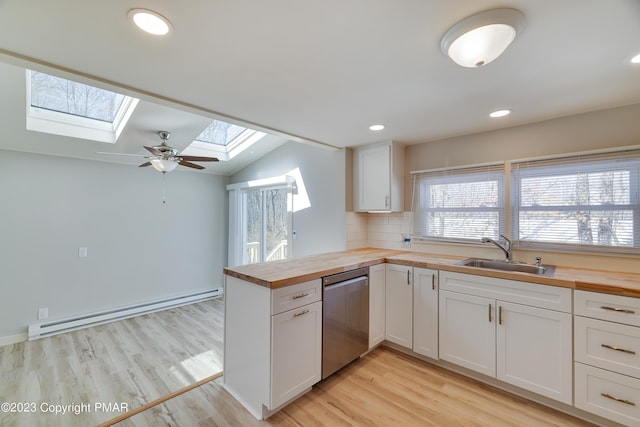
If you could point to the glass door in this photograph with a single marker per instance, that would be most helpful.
(267, 224)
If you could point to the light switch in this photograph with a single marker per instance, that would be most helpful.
(82, 252)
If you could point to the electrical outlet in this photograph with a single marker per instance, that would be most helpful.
(43, 313)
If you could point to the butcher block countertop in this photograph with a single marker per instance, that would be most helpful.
(277, 274)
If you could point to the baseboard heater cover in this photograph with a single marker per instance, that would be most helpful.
(47, 329)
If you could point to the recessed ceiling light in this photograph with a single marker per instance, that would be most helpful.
(636, 59)
(150, 21)
(500, 113)
(376, 128)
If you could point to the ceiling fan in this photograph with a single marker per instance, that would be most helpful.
(165, 158)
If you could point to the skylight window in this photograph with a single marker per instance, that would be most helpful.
(223, 140)
(220, 133)
(64, 107)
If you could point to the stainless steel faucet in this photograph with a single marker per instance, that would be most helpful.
(506, 246)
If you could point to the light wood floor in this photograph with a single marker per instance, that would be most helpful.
(138, 360)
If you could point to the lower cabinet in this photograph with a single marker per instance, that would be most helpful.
(296, 342)
(273, 343)
(425, 312)
(399, 305)
(492, 326)
(377, 310)
(607, 355)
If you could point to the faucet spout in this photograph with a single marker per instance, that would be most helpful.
(505, 247)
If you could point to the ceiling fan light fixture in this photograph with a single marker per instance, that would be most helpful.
(481, 38)
(150, 21)
(163, 165)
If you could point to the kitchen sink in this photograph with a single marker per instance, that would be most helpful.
(520, 267)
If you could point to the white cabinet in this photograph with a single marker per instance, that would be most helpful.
(467, 331)
(377, 297)
(425, 312)
(506, 329)
(379, 177)
(296, 342)
(273, 343)
(399, 305)
(607, 355)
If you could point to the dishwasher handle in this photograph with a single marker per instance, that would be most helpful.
(347, 282)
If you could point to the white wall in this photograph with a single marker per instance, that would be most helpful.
(321, 227)
(139, 249)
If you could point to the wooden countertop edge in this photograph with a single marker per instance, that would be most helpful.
(447, 263)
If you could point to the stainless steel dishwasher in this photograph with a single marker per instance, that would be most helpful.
(345, 318)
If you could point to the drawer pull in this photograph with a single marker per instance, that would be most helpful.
(617, 399)
(611, 347)
(302, 313)
(619, 310)
(306, 294)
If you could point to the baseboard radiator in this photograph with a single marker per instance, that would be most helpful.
(47, 329)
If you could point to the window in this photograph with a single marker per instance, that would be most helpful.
(582, 202)
(461, 204)
(64, 107)
(223, 140)
(260, 219)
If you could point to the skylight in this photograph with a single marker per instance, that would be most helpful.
(220, 133)
(64, 107)
(223, 140)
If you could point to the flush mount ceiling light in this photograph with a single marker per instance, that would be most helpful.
(150, 21)
(376, 128)
(479, 39)
(635, 59)
(499, 113)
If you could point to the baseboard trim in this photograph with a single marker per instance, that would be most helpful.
(13, 339)
(54, 327)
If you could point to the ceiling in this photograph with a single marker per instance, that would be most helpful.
(324, 71)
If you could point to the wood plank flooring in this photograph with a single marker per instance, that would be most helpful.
(138, 360)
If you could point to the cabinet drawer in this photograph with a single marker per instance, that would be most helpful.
(294, 296)
(610, 395)
(608, 345)
(615, 308)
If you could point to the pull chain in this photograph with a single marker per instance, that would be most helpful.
(164, 188)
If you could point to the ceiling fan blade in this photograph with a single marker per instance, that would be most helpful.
(199, 159)
(121, 154)
(145, 164)
(190, 165)
(154, 151)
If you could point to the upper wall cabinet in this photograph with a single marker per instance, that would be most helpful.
(379, 177)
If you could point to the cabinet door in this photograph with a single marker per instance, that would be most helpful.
(467, 331)
(374, 178)
(399, 305)
(534, 350)
(296, 352)
(377, 282)
(425, 312)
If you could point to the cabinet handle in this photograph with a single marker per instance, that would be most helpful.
(302, 313)
(616, 309)
(433, 282)
(617, 399)
(386, 201)
(306, 294)
(490, 310)
(612, 347)
(500, 315)
(408, 279)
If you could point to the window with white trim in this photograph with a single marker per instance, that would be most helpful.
(459, 204)
(588, 202)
